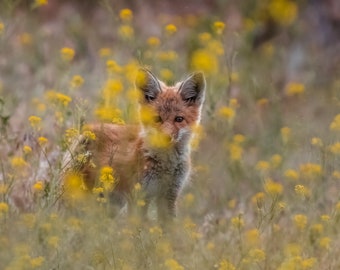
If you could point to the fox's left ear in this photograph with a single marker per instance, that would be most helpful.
(192, 90)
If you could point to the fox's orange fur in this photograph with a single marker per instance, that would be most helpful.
(161, 171)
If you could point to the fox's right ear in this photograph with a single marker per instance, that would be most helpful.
(148, 84)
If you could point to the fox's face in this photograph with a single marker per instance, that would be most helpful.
(168, 113)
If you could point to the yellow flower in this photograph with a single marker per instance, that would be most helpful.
(3, 189)
(153, 42)
(57, 98)
(167, 56)
(106, 178)
(235, 152)
(26, 39)
(283, 12)
(53, 241)
(42, 141)
(67, 54)
(74, 188)
(204, 37)
(227, 113)
(293, 249)
(105, 52)
(89, 135)
(3, 207)
(38, 186)
(317, 229)
(113, 67)
(172, 264)
(27, 149)
(273, 188)
(258, 199)
(335, 125)
(294, 89)
(238, 222)
(39, 3)
(335, 148)
(262, 166)
(252, 237)
(291, 174)
(300, 221)
(37, 261)
(226, 265)
(325, 242)
(336, 174)
(218, 27)
(310, 170)
(239, 138)
(18, 162)
(170, 29)
(276, 161)
(316, 141)
(286, 133)
(166, 74)
(262, 102)
(158, 139)
(325, 218)
(125, 31)
(140, 203)
(126, 15)
(302, 190)
(204, 60)
(35, 122)
(257, 255)
(2, 28)
(76, 81)
(308, 263)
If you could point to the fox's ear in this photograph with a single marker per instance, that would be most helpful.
(148, 84)
(193, 88)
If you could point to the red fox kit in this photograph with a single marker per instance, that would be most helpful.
(155, 154)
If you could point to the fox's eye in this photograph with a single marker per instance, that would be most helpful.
(149, 98)
(179, 119)
(157, 119)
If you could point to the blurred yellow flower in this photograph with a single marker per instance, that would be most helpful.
(316, 141)
(53, 241)
(89, 135)
(300, 221)
(227, 113)
(3, 188)
(27, 149)
(3, 207)
(57, 98)
(42, 141)
(286, 133)
(37, 261)
(39, 3)
(258, 199)
(67, 54)
(204, 37)
(158, 139)
(273, 188)
(310, 170)
(167, 56)
(38, 186)
(166, 74)
(291, 174)
(219, 27)
(325, 242)
(252, 237)
(153, 41)
(172, 264)
(335, 148)
(35, 122)
(126, 15)
(283, 12)
(105, 52)
(205, 61)
(170, 29)
(294, 89)
(262, 166)
(18, 162)
(302, 190)
(106, 178)
(77, 81)
(140, 203)
(125, 32)
(107, 114)
(235, 152)
(26, 39)
(237, 222)
(276, 161)
(113, 67)
(2, 28)
(226, 265)
(336, 174)
(335, 125)
(257, 255)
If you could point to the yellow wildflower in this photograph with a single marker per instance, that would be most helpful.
(140, 203)
(172, 264)
(262, 166)
(252, 237)
(158, 139)
(302, 190)
(2, 27)
(325, 242)
(37, 261)
(3, 189)
(308, 263)
(276, 161)
(166, 74)
(125, 31)
(170, 29)
(226, 265)
(227, 113)
(153, 42)
(237, 222)
(335, 125)
(336, 174)
(316, 141)
(126, 15)
(239, 138)
(291, 174)
(293, 249)
(42, 141)
(3, 207)
(167, 56)
(335, 148)
(26, 39)
(310, 170)
(53, 241)
(325, 218)
(113, 67)
(38, 186)
(204, 37)
(89, 135)
(57, 98)
(18, 162)
(67, 54)
(317, 229)
(218, 27)
(27, 149)
(105, 52)
(204, 60)
(294, 89)
(286, 134)
(273, 188)
(283, 12)
(74, 188)
(300, 221)
(235, 152)
(257, 255)
(77, 81)
(35, 122)
(106, 178)
(258, 199)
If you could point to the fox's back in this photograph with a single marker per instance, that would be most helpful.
(116, 146)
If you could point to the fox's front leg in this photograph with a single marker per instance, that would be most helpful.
(166, 206)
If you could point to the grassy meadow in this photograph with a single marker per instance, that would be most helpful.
(265, 187)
